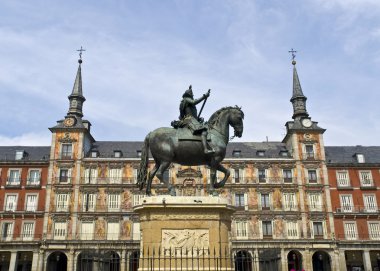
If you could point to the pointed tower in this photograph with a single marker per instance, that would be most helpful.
(76, 98)
(298, 99)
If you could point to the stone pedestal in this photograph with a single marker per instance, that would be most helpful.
(187, 232)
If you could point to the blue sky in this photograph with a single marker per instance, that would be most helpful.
(142, 55)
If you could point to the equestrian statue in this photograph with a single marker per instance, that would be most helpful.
(191, 142)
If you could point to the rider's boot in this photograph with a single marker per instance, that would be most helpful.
(205, 145)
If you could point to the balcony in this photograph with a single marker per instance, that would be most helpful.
(316, 207)
(309, 156)
(21, 237)
(63, 180)
(13, 182)
(375, 236)
(367, 184)
(65, 156)
(357, 210)
(111, 181)
(21, 209)
(33, 183)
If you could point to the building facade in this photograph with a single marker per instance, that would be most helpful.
(299, 204)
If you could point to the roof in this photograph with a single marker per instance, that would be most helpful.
(347, 154)
(130, 149)
(32, 153)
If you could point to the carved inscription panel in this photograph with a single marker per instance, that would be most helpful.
(178, 242)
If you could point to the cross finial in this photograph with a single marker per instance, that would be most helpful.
(80, 52)
(293, 55)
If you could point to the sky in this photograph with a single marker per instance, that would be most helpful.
(142, 55)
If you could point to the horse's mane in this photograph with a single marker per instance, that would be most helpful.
(215, 117)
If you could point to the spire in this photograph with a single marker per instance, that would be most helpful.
(298, 99)
(76, 98)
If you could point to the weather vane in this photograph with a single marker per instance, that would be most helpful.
(293, 53)
(80, 52)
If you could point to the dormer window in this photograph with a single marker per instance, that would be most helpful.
(117, 154)
(360, 158)
(19, 155)
(138, 153)
(260, 153)
(284, 153)
(94, 154)
(236, 153)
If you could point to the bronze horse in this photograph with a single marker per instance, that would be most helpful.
(167, 148)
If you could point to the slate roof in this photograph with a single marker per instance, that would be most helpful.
(129, 149)
(32, 153)
(347, 154)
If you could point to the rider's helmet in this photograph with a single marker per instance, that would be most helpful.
(188, 93)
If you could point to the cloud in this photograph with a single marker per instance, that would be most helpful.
(29, 139)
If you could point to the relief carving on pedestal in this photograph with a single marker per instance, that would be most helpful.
(178, 242)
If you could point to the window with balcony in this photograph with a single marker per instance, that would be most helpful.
(312, 175)
(89, 201)
(34, 177)
(113, 202)
(350, 231)
(90, 175)
(62, 202)
(137, 199)
(59, 230)
(267, 229)
(318, 232)
(370, 203)
(241, 229)
(262, 175)
(31, 203)
(236, 175)
(309, 151)
(87, 230)
(113, 230)
(7, 231)
(292, 229)
(14, 177)
(288, 175)
(67, 151)
(289, 201)
(115, 175)
(10, 203)
(28, 231)
(365, 178)
(374, 230)
(265, 201)
(342, 178)
(346, 203)
(315, 202)
(64, 175)
(239, 200)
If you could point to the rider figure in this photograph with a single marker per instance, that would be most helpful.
(189, 119)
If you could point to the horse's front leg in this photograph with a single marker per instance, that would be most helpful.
(151, 175)
(226, 176)
(212, 181)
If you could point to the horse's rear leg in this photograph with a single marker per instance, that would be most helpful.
(226, 176)
(212, 181)
(150, 179)
(160, 175)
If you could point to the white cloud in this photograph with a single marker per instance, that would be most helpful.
(28, 139)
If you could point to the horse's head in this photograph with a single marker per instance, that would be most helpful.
(236, 117)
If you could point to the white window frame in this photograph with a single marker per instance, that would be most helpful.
(374, 231)
(60, 230)
(346, 203)
(316, 175)
(115, 175)
(262, 229)
(306, 154)
(135, 174)
(292, 229)
(360, 158)
(27, 233)
(315, 202)
(323, 223)
(286, 178)
(289, 201)
(29, 207)
(34, 181)
(241, 229)
(259, 202)
(137, 198)
(71, 153)
(366, 179)
(113, 230)
(87, 233)
(68, 180)
(370, 206)
(340, 181)
(265, 176)
(90, 199)
(62, 204)
(113, 202)
(8, 207)
(19, 154)
(10, 231)
(350, 233)
(90, 175)
(136, 233)
(15, 181)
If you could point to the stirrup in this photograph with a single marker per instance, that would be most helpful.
(209, 151)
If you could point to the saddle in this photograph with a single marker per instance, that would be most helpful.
(185, 134)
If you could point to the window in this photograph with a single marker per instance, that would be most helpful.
(137, 199)
(318, 230)
(87, 230)
(260, 153)
(28, 231)
(267, 228)
(113, 202)
(90, 175)
(374, 230)
(138, 152)
(136, 235)
(62, 202)
(262, 175)
(315, 202)
(7, 231)
(66, 151)
(236, 175)
(34, 177)
(284, 153)
(64, 175)
(135, 174)
(309, 151)
(94, 154)
(14, 177)
(10, 203)
(350, 231)
(346, 203)
(31, 203)
(236, 153)
(312, 175)
(60, 230)
(89, 201)
(241, 229)
(117, 154)
(292, 229)
(115, 175)
(239, 200)
(365, 178)
(288, 176)
(19, 155)
(289, 201)
(342, 178)
(113, 230)
(265, 201)
(370, 203)
(360, 158)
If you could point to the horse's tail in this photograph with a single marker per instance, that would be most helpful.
(142, 174)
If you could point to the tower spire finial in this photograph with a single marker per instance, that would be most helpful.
(81, 50)
(293, 55)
